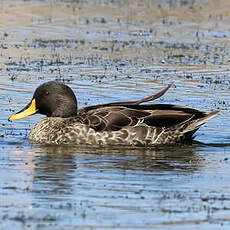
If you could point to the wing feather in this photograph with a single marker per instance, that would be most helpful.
(117, 117)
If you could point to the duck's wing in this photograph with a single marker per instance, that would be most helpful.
(158, 115)
(126, 103)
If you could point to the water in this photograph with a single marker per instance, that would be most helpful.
(110, 51)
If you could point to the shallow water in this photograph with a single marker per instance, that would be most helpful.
(110, 51)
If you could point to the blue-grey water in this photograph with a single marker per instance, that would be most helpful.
(109, 51)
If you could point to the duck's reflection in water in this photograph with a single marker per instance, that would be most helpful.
(54, 171)
(57, 167)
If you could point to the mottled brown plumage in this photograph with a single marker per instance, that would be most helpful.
(124, 123)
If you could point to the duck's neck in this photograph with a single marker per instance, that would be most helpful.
(65, 110)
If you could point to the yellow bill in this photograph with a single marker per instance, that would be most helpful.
(27, 111)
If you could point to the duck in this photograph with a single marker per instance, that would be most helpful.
(132, 123)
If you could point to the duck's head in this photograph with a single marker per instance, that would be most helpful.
(53, 99)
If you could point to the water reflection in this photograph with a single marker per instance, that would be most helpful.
(54, 170)
(57, 167)
(57, 158)
(165, 158)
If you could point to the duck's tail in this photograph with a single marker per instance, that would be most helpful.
(190, 126)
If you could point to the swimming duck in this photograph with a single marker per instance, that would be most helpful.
(119, 123)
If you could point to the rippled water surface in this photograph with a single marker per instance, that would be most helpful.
(110, 51)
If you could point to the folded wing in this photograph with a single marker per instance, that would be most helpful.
(159, 115)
